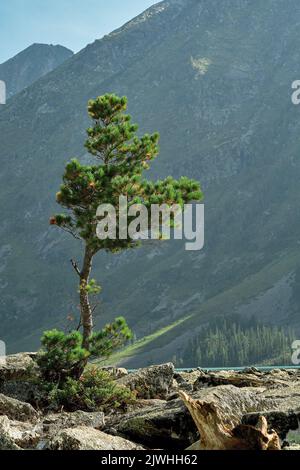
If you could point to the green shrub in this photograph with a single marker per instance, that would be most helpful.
(66, 382)
(63, 356)
(95, 390)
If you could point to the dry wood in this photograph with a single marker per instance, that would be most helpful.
(215, 435)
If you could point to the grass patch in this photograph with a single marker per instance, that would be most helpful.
(138, 346)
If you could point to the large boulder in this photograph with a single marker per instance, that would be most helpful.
(18, 367)
(84, 438)
(150, 382)
(285, 397)
(18, 410)
(164, 425)
(249, 377)
(230, 377)
(16, 435)
(58, 421)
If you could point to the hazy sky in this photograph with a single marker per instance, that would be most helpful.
(71, 23)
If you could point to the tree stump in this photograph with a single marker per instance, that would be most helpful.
(215, 435)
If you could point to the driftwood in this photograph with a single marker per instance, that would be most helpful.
(215, 435)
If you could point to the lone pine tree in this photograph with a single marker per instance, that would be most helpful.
(121, 158)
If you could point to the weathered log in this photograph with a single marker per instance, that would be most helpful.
(216, 435)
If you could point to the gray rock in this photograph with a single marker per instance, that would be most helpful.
(6, 442)
(15, 409)
(182, 382)
(15, 435)
(57, 421)
(20, 390)
(235, 402)
(18, 367)
(150, 382)
(285, 396)
(213, 379)
(84, 438)
(165, 425)
(141, 404)
(249, 377)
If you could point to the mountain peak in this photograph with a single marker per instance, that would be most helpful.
(44, 46)
(32, 63)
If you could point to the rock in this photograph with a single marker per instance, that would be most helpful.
(84, 438)
(15, 435)
(116, 372)
(165, 425)
(213, 379)
(25, 435)
(57, 421)
(15, 409)
(187, 376)
(251, 370)
(183, 381)
(282, 422)
(150, 382)
(285, 398)
(158, 419)
(6, 442)
(141, 404)
(235, 402)
(249, 377)
(168, 424)
(20, 390)
(18, 367)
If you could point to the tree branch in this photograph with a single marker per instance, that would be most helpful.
(70, 231)
(79, 325)
(75, 266)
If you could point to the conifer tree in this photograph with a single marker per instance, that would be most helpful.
(121, 157)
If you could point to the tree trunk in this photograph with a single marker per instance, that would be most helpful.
(85, 307)
(216, 435)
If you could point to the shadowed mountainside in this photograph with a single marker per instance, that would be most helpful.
(214, 78)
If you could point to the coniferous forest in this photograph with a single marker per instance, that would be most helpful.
(229, 342)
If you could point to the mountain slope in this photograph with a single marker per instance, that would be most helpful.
(30, 65)
(215, 80)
